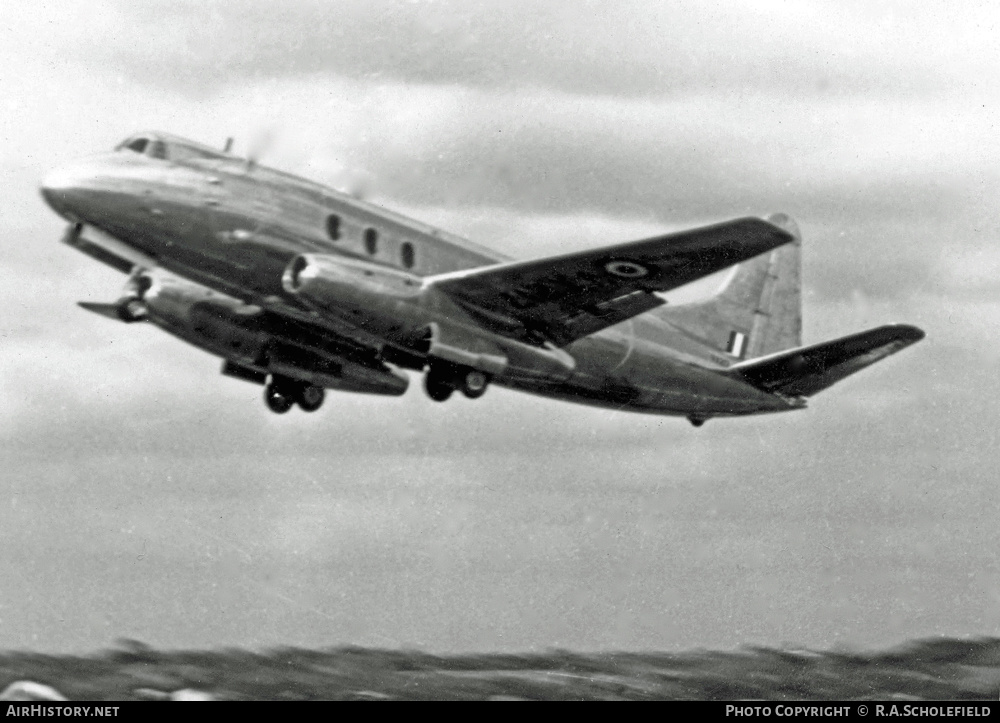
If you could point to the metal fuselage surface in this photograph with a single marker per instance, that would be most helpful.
(235, 227)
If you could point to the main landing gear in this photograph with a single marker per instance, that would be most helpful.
(437, 388)
(442, 380)
(282, 393)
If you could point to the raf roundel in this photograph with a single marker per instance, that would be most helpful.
(626, 269)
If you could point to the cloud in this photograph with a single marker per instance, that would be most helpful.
(345, 527)
(635, 48)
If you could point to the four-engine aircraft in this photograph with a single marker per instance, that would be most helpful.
(301, 288)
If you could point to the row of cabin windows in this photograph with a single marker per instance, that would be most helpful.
(407, 255)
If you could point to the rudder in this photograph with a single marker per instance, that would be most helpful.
(758, 311)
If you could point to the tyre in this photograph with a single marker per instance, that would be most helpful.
(436, 388)
(130, 310)
(278, 399)
(310, 397)
(474, 383)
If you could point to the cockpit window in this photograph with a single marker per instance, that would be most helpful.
(145, 146)
(171, 149)
(138, 145)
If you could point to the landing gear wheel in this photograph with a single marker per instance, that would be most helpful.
(696, 421)
(436, 388)
(310, 397)
(130, 310)
(474, 383)
(278, 397)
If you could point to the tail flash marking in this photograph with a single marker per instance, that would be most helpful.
(737, 344)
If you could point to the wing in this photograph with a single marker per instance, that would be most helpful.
(811, 369)
(563, 298)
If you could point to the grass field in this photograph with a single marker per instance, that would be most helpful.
(940, 669)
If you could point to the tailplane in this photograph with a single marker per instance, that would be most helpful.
(807, 370)
(756, 319)
(758, 311)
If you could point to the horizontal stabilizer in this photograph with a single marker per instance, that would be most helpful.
(808, 370)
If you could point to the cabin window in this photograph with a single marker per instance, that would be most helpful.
(371, 241)
(406, 254)
(158, 149)
(333, 226)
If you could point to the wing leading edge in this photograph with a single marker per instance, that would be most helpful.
(564, 298)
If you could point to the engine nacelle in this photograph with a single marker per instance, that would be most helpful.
(384, 301)
(256, 340)
(497, 356)
(212, 321)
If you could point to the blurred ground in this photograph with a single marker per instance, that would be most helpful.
(940, 669)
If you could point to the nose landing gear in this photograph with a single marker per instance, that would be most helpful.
(132, 305)
(131, 309)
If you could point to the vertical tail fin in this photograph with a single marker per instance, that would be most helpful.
(758, 311)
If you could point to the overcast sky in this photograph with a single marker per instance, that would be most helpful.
(145, 496)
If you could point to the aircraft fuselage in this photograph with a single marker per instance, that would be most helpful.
(236, 228)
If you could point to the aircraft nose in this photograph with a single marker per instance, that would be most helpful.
(62, 188)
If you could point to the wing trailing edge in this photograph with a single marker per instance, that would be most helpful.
(808, 370)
